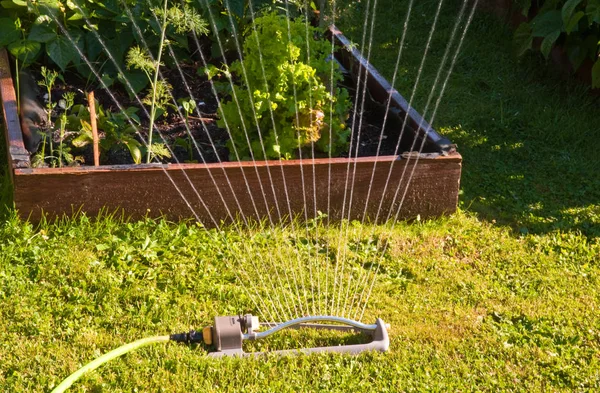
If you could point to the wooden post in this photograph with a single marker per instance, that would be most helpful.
(92, 105)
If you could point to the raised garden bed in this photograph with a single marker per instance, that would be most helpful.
(217, 192)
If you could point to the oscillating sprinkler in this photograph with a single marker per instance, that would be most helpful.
(227, 335)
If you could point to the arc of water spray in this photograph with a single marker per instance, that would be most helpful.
(295, 94)
(252, 157)
(347, 202)
(244, 175)
(200, 152)
(362, 108)
(438, 101)
(389, 101)
(251, 8)
(421, 67)
(337, 285)
(359, 280)
(430, 97)
(333, 12)
(312, 147)
(129, 120)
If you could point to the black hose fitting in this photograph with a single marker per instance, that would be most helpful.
(191, 337)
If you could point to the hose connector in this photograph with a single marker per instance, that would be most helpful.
(191, 337)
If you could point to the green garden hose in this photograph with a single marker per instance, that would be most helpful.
(106, 358)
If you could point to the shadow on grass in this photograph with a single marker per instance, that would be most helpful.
(529, 141)
(528, 135)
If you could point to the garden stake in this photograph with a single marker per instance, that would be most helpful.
(92, 104)
(228, 333)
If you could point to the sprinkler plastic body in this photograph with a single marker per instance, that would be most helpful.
(228, 334)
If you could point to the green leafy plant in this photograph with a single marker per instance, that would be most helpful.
(572, 23)
(231, 17)
(117, 131)
(55, 33)
(47, 82)
(291, 101)
(188, 106)
(66, 103)
(62, 154)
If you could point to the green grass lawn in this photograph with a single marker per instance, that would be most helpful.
(503, 295)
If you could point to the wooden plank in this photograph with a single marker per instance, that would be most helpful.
(18, 156)
(216, 193)
(381, 90)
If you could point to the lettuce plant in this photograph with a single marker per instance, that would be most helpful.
(283, 92)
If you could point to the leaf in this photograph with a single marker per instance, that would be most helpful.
(596, 75)
(41, 32)
(107, 80)
(92, 46)
(211, 71)
(134, 149)
(8, 4)
(158, 112)
(593, 11)
(159, 151)
(568, 9)
(61, 51)
(43, 19)
(50, 9)
(236, 7)
(8, 32)
(133, 81)
(82, 140)
(86, 126)
(548, 42)
(522, 39)
(547, 23)
(573, 23)
(131, 112)
(25, 50)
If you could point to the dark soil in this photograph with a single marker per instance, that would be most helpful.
(209, 141)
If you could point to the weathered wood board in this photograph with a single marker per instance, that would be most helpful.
(215, 192)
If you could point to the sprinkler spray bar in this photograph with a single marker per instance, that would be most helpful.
(228, 334)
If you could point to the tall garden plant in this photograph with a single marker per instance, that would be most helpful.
(182, 20)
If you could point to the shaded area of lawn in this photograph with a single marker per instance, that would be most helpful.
(528, 136)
